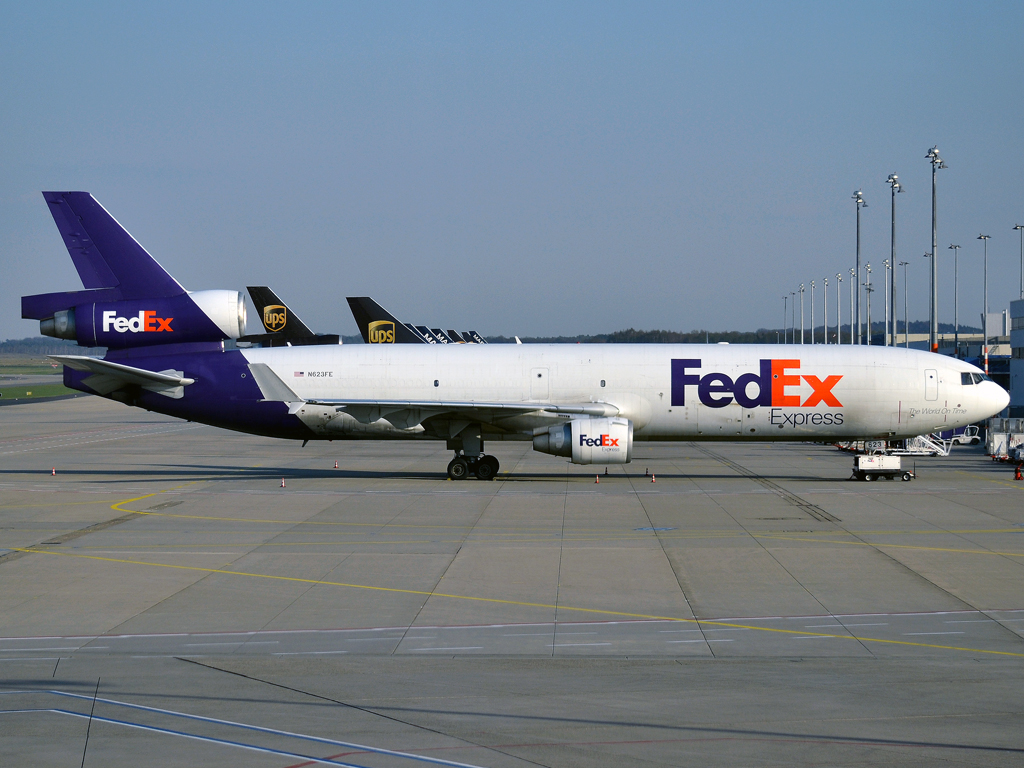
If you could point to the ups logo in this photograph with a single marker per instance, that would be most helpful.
(382, 332)
(275, 317)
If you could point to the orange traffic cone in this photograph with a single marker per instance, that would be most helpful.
(54, 471)
(282, 482)
(654, 479)
(1016, 473)
(335, 465)
(597, 478)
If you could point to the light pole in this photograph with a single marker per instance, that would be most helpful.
(812, 311)
(1020, 228)
(839, 308)
(984, 317)
(801, 313)
(906, 305)
(933, 330)
(896, 187)
(956, 298)
(868, 290)
(793, 324)
(853, 287)
(859, 200)
(885, 295)
(824, 307)
(785, 319)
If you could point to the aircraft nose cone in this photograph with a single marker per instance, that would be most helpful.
(995, 397)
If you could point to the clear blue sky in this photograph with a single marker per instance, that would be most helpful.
(516, 168)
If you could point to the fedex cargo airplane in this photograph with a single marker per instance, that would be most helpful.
(588, 403)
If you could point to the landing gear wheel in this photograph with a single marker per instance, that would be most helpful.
(458, 468)
(486, 468)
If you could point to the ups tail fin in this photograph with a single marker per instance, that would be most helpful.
(105, 255)
(368, 312)
(277, 318)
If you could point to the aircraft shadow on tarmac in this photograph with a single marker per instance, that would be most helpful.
(156, 473)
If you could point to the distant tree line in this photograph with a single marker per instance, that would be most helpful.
(43, 345)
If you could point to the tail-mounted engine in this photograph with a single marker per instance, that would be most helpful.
(589, 441)
(188, 317)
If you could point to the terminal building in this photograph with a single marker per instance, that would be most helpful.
(1017, 359)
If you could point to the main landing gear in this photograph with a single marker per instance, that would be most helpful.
(484, 467)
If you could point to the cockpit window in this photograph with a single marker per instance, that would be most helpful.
(984, 376)
(966, 380)
(979, 377)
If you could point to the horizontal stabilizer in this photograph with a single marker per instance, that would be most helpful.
(105, 255)
(110, 376)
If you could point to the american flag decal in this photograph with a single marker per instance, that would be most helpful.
(299, 374)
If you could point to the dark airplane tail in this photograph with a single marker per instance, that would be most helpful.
(275, 315)
(129, 299)
(283, 327)
(378, 326)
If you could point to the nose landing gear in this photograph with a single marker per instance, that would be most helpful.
(483, 467)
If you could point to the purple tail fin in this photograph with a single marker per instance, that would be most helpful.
(105, 255)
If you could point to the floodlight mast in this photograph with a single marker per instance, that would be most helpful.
(812, 311)
(858, 198)
(933, 330)
(906, 308)
(885, 295)
(839, 309)
(785, 320)
(896, 187)
(853, 287)
(868, 291)
(956, 298)
(1020, 228)
(984, 317)
(824, 308)
(801, 313)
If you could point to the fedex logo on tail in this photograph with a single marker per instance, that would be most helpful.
(599, 441)
(145, 321)
(775, 384)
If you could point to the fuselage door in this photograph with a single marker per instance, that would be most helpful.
(931, 384)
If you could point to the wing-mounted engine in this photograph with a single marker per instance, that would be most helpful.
(589, 440)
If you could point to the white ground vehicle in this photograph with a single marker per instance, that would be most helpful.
(873, 467)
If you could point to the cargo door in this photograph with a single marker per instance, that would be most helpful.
(931, 384)
(539, 384)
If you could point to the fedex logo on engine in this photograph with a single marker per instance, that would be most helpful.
(775, 385)
(145, 321)
(599, 441)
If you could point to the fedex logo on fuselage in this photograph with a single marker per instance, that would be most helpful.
(599, 441)
(775, 382)
(144, 322)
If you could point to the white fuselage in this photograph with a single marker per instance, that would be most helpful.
(880, 392)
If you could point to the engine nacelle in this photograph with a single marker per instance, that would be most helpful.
(187, 317)
(589, 441)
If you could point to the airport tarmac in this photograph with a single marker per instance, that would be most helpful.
(751, 607)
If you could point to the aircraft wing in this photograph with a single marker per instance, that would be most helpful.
(408, 413)
(109, 376)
